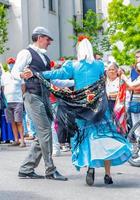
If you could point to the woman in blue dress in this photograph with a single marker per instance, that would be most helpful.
(102, 145)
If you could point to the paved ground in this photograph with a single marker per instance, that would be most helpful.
(126, 181)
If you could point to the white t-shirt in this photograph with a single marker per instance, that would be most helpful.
(12, 88)
(112, 86)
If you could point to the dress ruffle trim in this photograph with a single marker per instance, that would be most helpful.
(93, 153)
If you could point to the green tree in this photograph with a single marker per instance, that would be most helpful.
(3, 28)
(92, 26)
(124, 21)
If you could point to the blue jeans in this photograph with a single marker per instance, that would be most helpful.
(30, 129)
(56, 145)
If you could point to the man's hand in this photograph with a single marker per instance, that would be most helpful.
(130, 88)
(26, 74)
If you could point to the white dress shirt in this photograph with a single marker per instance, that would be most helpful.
(23, 60)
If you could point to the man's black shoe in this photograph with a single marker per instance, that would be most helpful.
(31, 175)
(108, 179)
(56, 176)
(90, 176)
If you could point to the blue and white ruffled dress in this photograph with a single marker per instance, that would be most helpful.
(101, 142)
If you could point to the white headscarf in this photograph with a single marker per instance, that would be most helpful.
(84, 50)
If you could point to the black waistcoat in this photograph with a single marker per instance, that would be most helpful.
(33, 84)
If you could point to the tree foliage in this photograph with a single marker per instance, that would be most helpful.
(3, 28)
(92, 26)
(125, 21)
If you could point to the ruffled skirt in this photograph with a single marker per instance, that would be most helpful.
(99, 142)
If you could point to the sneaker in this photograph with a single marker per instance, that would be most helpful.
(30, 137)
(26, 135)
(65, 148)
(14, 143)
(22, 144)
(90, 176)
(108, 180)
(56, 153)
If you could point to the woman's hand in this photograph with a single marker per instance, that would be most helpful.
(120, 72)
(123, 77)
(26, 74)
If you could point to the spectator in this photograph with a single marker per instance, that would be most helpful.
(112, 84)
(0, 100)
(98, 56)
(134, 87)
(29, 128)
(57, 121)
(63, 130)
(12, 90)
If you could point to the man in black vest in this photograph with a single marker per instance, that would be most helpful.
(37, 105)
